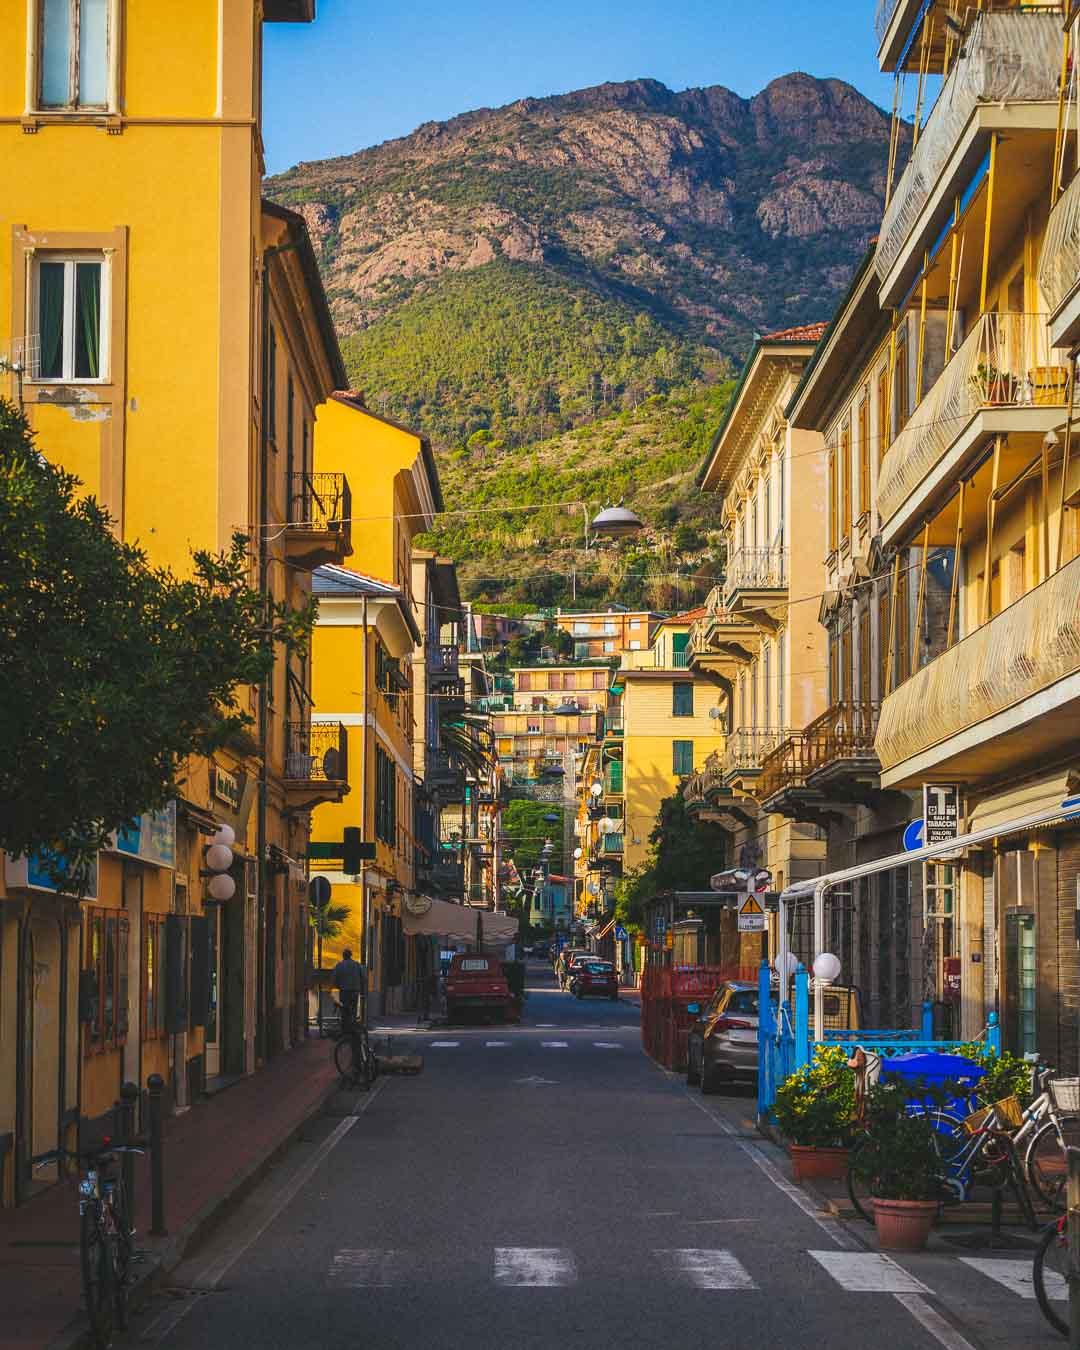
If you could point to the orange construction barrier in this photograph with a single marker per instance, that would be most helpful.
(666, 993)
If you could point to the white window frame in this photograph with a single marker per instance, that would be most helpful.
(609, 647)
(35, 67)
(70, 259)
(610, 628)
(581, 628)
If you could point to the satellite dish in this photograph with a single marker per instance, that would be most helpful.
(714, 713)
(577, 853)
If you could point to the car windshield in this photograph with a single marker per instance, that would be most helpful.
(743, 1001)
(597, 968)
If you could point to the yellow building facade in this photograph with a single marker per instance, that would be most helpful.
(167, 336)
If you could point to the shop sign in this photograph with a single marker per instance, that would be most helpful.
(31, 873)
(151, 837)
(225, 786)
(941, 812)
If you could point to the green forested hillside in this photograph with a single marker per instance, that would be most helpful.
(511, 353)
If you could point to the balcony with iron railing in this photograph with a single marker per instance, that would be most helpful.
(1059, 267)
(755, 588)
(319, 526)
(841, 745)
(316, 764)
(745, 752)
(784, 769)
(1004, 78)
(1005, 379)
(1001, 698)
(443, 659)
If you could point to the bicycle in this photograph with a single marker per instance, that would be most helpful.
(1052, 1121)
(978, 1146)
(105, 1235)
(1052, 1259)
(354, 1058)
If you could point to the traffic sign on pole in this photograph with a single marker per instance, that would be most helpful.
(751, 915)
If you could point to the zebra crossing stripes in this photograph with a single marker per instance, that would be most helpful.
(1016, 1276)
(869, 1273)
(706, 1268)
(534, 1267)
(364, 1268)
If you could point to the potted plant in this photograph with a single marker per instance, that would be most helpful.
(993, 385)
(899, 1162)
(815, 1110)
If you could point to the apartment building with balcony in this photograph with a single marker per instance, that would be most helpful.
(170, 347)
(827, 773)
(758, 636)
(600, 634)
(976, 498)
(673, 718)
(563, 687)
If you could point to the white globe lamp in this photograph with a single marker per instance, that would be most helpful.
(221, 886)
(225, 835)
(826, 967)
(788, 966)
(219, 857)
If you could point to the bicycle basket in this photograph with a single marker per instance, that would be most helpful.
(1066, 1094)
(1008, 1113)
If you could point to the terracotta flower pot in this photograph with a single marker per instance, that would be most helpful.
(904, 1225)
(810, 1163)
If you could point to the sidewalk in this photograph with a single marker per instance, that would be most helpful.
(212, 1152)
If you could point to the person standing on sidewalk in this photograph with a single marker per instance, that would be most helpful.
(350, 980)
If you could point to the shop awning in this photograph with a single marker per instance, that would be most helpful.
(443, 919)
(1017, 802)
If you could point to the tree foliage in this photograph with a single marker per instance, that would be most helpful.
(684, 853)
(113, 672)
(525, 829)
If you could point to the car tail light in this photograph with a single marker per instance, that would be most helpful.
(732, 1024)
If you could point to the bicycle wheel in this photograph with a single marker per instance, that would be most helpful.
(367, 1064)
(345, 1059)
(1048, 1273)
(1046, 1161)
(98, 1273)
(858, 1185)
(122, 1252)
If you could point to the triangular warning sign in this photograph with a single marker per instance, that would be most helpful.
(750, 906)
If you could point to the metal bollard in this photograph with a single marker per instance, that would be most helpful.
(129, 1096)
(156, 1085)
(1074, 1247)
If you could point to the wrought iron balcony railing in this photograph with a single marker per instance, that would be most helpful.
(845, 731)
(786, 766)
(755, 569)
(316, 752)
(1022, 651)
(747, 748)
(1005, 362)
(442, 658)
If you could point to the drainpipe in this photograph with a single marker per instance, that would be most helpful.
(365, 906)
(262, 1014)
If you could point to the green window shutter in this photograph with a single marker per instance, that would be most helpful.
(682, 758)
(682, 699)
(680, 642)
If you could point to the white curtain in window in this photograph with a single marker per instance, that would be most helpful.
(93, 52)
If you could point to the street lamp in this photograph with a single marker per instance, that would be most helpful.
(826, 967)
(616, 522)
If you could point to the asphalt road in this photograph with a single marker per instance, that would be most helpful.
(538, 1186)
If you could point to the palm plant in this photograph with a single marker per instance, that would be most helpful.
(331, 920)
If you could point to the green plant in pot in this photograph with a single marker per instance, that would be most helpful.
(900, 1163)
(993, 385)
(815, 1110)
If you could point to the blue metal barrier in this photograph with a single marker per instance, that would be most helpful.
(785, 1044)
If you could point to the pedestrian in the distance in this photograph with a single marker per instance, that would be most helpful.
(350, 980)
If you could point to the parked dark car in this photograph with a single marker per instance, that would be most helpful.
(594, 977)
(567, 957)
(572, 965)
(722, 1043)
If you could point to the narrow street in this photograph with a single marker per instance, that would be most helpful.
(539, 1186)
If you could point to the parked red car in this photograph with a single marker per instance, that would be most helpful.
(595, 977)
(477, 982)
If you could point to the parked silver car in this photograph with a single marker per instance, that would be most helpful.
(722, 1043)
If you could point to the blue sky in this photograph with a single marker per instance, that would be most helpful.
(366, 71)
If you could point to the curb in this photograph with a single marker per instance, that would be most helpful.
(163, 1255)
